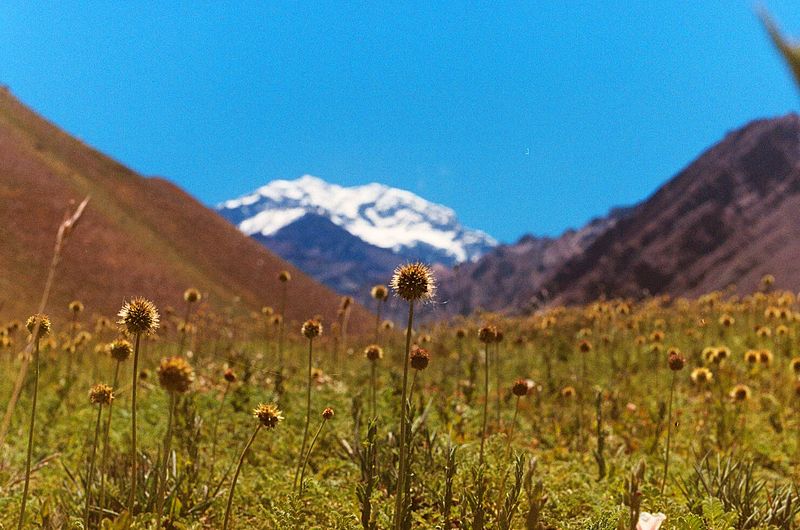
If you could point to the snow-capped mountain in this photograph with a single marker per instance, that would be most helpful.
(381, 216)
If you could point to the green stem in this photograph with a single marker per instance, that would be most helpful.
(669, 433)
(30, 431)
(104, 458)
(402, 464)
(308, 455)
(308, 414)
(373, 383)
(214, 430)
(236, 477)
(485, 400)
(167, 448)
(90, 476)
(132, 496)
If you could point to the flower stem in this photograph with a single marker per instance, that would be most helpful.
(669, 433)
(236, 477)
(308, 454)
(30, 432)
(104, 458)
(485, 400)
(167, 449)
(134, 384)
(90, 476)
(308, 414)
(402, 464)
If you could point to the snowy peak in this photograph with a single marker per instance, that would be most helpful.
(382, 216)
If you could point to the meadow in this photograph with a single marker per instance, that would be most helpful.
(566, 418)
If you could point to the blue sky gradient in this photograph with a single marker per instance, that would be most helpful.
(526, 117)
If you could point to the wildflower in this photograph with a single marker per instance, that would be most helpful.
(192, 295)
(373, 352)
(43, 321)
(268, 415)
(794, 364)
(675, 360)
(726, 321)
(520, 387)
(311, 329)
(657, 336)
(568, 392)
(101, 394)
(229, 375)
(267, 311)
(649, 521)
(763, 332)
(765, 357)
(413, 281)
(487, 334)
(75, 306)
(379, 292)
(327, 413)
(139, 316)
(175, 375)
(284, 276)
(751, 356)
(419, 358)
(119, 349)
(701, 376)
(740, 393)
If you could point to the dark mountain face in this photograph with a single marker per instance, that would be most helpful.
(331, 255)
(727, 219)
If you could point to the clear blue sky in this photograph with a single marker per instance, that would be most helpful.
(523, 117)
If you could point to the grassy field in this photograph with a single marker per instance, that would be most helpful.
(577, 420)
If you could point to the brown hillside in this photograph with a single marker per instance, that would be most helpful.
(139, 236)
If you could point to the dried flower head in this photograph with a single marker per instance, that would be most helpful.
(765, 357)
(520, 387)
(498, 336)
(675, 360)
(373, 352)
(192, 295)
(726, 321)
(311, 329)
(229, 375)
(119, 349)
(267, 311)
(43, 323)
(277, 320)
(268, 415)
(767, 280)
(487, 334)
(585, 346)
(461, 333)
(387, 325)
(139, 316)
(701, 376)
(414, 281)
(175, 375)
(75, 306)
(379, 292)
(419, 358)
(101, 394)
(657, 336)
(284, 276)
(740, 393)
(568, 392)
(794, 364)
(327, 413)
(751, 356)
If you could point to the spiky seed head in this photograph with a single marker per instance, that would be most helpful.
(144, 374)
(192, 295)
(657, 336)
(751, 356)
(101, 394)
(267, 311)
(75, 306)
(119, 349)
(726, 321)
(175, 375)
(373, 352)
(794, 364)
(284, 276)
(229, 375)
(461, 333)
(520, 387)
(414, 281)
(379, 292)
(797, 388)
(740, 393)
(311, 329)
(268, 415)
(701, 376)
(14, 325)
(767, 280)
(568, 392)
(327, 413)
(139, 316)
(763, 332)
(675, 360)
(387, 325)
(487, 334)
(419, 358)
(765, 357)
(40, 320)
(585, 346)
(723, 352)
(277, 320)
